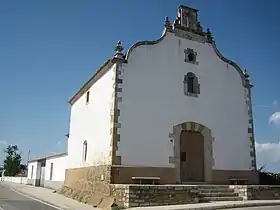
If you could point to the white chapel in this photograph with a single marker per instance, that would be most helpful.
(173, 110)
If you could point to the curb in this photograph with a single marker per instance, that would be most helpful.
(231, 206)
(213, 206)
(36, 198)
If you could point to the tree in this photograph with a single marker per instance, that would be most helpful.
(23, 167)
(12, 161)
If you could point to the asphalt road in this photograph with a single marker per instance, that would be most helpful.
(258, 208)
(10, 200)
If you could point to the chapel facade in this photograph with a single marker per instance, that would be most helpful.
(173, 110)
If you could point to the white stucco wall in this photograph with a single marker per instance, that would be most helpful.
(59, 166)
(154, 101)
(91, 122)
(29, 172)
(19, 180)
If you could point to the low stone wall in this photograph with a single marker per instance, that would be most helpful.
(154, 195)
(120, 193)
(127, 196)
(257, 192)
(103, 195)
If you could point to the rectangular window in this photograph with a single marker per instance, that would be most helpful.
(119, 81)
(87, 99)
(51, 171)
(183, 157)
(32, 171)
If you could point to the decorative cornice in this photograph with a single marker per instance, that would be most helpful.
(101, 71)
(147, 42)
(118, 51)
(230, 62)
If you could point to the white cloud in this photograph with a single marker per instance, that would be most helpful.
(3, 142)
(268, 153)
(275, 102)
(275, 118)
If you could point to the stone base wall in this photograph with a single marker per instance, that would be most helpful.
(89, 185)
(257, 192)
(124, 174)
(84, 178)
(77, 177)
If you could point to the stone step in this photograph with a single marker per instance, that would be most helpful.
(218, 194)
(196, 183)
(214, 186)
(209, 190)
(211, 199)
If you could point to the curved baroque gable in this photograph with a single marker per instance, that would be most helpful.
(147, 42)
(230, 62)
(218, 53)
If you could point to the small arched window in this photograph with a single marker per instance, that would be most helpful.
(191, 86)
(85, 151)
(190, 56)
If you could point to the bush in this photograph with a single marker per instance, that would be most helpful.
(268, 178)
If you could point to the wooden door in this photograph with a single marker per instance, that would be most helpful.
(191, 157)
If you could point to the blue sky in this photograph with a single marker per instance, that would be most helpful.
(48, 49)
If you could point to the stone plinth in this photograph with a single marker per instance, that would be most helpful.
(257, 192)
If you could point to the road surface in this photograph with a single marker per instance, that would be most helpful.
(11, 200)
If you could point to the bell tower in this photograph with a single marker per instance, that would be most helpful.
(187, 19)
(186, 25)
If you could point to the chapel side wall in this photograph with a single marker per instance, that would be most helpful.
(92, 123)
(58, 172)
(153, 101)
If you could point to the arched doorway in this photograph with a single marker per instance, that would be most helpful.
(193, 152)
